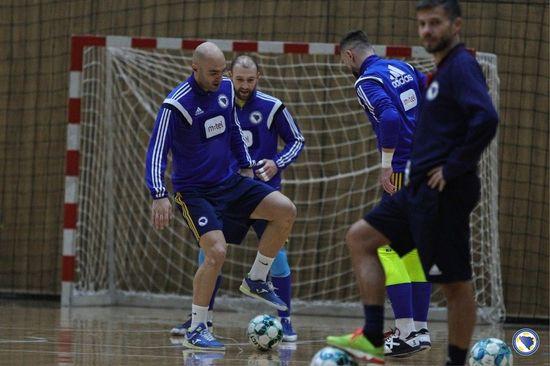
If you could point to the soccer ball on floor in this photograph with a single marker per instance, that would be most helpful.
(330, 356)
(490, 352)
(265, 332)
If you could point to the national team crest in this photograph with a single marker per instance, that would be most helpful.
(255, 117)
(433, 91)
(223, 101)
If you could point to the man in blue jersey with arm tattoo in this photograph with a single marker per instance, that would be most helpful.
(390, 91)
(197, 123)
(264, 119)
(457, 121)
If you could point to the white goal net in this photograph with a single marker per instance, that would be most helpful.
(121, 259)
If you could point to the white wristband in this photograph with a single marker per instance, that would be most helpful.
(386, 159)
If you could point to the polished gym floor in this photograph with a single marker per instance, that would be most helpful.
(42, 333)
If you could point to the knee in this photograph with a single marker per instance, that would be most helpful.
(360, 238)
(354, 238)
(215, 256)
(288, 211)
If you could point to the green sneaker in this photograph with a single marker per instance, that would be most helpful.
(359, 346)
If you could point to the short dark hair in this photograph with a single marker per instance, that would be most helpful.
(355, 39)
(244, 60)
(452, 7)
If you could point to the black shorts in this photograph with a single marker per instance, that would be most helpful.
(234, 200)
(235, 228)
(437, 223)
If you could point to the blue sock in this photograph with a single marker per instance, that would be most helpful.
(216, 288)
(283, 289)
(401, 298)
(374, 324)
(421, 292)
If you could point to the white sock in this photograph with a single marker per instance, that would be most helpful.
(199, 314)
(405, 326)
(420, 325)
(210, 317)
(260, 268)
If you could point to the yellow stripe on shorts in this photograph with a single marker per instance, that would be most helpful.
(397, 180)
(187, 216)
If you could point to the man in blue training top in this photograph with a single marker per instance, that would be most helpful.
(197, 123)
(263, 119)
(390, 92)
(457, 121)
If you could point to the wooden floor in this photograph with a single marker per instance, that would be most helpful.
(40, 333)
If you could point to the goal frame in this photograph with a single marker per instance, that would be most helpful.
(70, 214)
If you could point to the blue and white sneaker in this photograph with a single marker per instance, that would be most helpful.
(181, 330)
(262, 290)
(289, 335)
(200, 338)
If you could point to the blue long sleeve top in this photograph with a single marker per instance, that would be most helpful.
(390, 92)
(264, 119)
(201, 130)
(457, 119)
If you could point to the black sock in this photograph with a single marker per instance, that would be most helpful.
(374, 324)
(457, 356)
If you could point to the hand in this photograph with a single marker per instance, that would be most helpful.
(437, 180)
(246, 172)
(268, 170)
(161, 213)
(385, 180)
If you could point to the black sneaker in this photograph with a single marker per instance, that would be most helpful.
(423, 338)
(394, 346)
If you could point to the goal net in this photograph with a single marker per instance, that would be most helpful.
(117, 256)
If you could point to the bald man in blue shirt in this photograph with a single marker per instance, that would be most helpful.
(197, 123)
(264, 119)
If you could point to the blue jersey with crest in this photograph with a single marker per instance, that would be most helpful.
(457, 119)
(390, 91)
(203, 134)
(264, 119)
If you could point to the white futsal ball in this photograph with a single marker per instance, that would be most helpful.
(331, 356)
(265, 332)
(490, 352)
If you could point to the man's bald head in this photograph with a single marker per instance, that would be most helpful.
(207, 51)
(208, 66)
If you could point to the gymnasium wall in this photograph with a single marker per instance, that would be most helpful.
(34, 55)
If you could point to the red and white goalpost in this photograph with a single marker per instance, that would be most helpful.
(111, 253)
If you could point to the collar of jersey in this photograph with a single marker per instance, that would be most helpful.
(368, 62)
(248, 101)
(450, 54)
(195, 86)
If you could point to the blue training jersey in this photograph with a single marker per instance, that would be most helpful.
(457, 119)
(203, 134)
(264, 119)
(390, 92)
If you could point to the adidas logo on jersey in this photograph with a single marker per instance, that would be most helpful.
(198, 111)
(398, 77)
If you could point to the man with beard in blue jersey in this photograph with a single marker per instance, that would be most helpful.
(456, 122)
(197, 123)
(263, 119)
